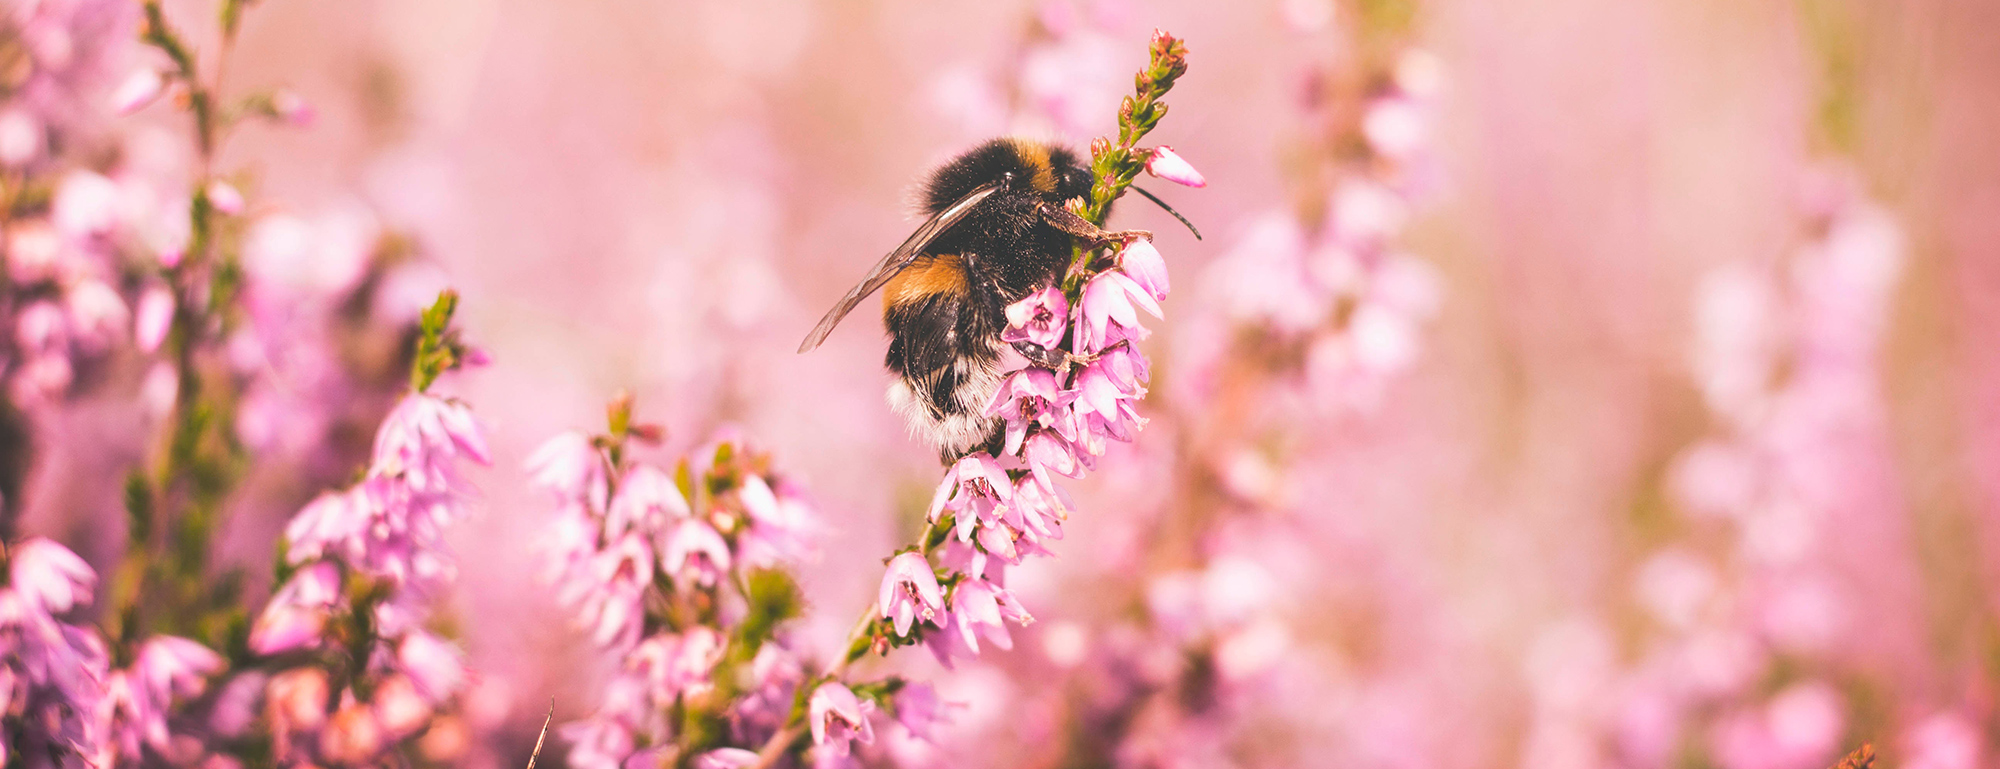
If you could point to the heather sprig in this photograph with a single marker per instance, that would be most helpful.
(681, 575)
(1115, 164)
(358, 668)
(946, 590)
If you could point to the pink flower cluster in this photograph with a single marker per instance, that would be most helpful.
(1786, 359)
(993, 512)
(52, 672)
(366, 561)
(631, 538)
(1342, 288)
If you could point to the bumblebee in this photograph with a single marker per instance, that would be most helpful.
(997, 229)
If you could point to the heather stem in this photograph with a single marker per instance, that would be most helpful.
(1115, 165)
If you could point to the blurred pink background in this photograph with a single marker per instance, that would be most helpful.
(662, 197)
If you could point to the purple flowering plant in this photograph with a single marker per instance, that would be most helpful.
(680, 576)
(947, 590)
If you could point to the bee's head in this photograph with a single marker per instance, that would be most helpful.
(1019, 165)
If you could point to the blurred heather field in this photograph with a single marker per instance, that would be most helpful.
(1560, 384)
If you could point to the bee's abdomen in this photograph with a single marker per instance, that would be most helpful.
(941, 349)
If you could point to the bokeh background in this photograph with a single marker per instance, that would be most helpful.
(1686, 451)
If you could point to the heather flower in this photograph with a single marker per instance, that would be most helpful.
(1039, 508)
(610, 591)
(647, 500)
(21, 142)
(726, 758)
(909, 593)
(353, 735)
(839, 718)
(288, 106)
(287, 627)
(1164, 163)
(1943, 741)
(979, 608)
(49, 577)
(296, 700)
(1141, 262)
(1108, 301)
(1029, 398)
(674, 665)
(695, 553)
(919, 710)
(134, 710)
(55, 674)
(1039, 318)
(398, 707)
(153, 319)
(422, 437)
(973, 490)
(138, 90)
(434, 665)
(599, 743)
(224, 197)
(569, 467)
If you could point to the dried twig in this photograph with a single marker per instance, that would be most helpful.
(544, 735)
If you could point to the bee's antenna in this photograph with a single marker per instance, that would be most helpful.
(1170, 209)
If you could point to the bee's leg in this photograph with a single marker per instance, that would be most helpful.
(1062, 219)
(1053, 358)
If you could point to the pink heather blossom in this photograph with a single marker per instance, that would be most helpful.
(53, 675)
(839, 718)
(1943, 741)
(674, 665)
(776, 675)
(398, 707)
(1039, 508)
(85, 205)
(21, 141)
(920, 711)
(292, 108)
(973, 490)
(569, 467)
(138, 90)
(49, 577)
(433, 664)
(647, 500)
(1164, 163)
(599, 743)
(781, 531)
(910, 593)
(352, 735)
(1396, 128)
(422, 436)
(979, 608)
(296, 700)
(97, 315)
(608, 596)
(726, 758)
(1108, 301)
(34, 251)
(225, 197)
(758, 500)
(297, 613)
(154, 318)
(283, 628)
(1040, 318)
(1029, 398)
(1048, 453)
(695, 554)
(166, 668)
(1140, 261)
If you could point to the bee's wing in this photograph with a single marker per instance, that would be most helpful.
(895, 262)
